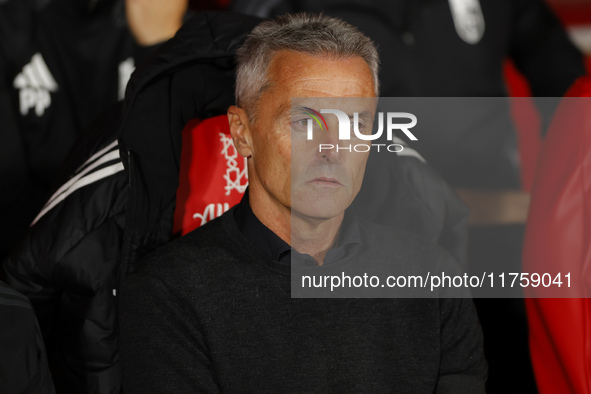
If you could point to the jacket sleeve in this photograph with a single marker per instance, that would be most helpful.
(70, 280)
(161, 346)
(23, 273)
(23, 365)
(87, 316)
(463, 367)
(67, 266)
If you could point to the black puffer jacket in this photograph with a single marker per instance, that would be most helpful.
(67, 265)
(68, 262)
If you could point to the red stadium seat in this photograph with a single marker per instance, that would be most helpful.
(212, 175)
(558, 237)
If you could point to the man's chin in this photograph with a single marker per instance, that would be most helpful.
(318, 209)
(320, 201)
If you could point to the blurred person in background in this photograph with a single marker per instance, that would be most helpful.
(453, 48)
(62, 63)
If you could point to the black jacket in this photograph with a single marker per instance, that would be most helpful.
(23, 365)
(62, 63)
(69, 260)
(75, 255)
(67, 264)
(429, 48)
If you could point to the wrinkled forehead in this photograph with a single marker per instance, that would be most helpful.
(364, 106)
(304, 75)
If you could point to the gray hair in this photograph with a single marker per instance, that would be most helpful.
(312, 34)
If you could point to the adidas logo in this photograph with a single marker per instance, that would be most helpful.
(35, 83)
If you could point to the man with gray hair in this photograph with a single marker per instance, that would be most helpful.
(212, 312)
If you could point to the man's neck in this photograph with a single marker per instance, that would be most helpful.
(315, 236)
(270, 212)
(309, 236)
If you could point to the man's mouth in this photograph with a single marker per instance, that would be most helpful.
(324, 181)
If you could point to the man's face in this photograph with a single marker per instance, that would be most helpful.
(287, 167)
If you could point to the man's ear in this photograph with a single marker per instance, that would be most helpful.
(240, 130)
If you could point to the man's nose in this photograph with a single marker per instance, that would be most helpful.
(328, 144)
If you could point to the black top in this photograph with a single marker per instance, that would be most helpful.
(259, 234)
(211, 312)
(348, 239)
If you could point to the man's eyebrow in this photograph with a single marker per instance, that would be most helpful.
(362, 114)
(284, 110)
(297, 109)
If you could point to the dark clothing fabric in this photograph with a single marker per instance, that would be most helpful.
(68, 263)
(429, 48)
(504, 324)
(23, 364)
(212, 313)
(63, 62)
(348, 239)
(259, 234)
(404, 192)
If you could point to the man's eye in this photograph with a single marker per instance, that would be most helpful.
(301, 123)
(360, 126)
